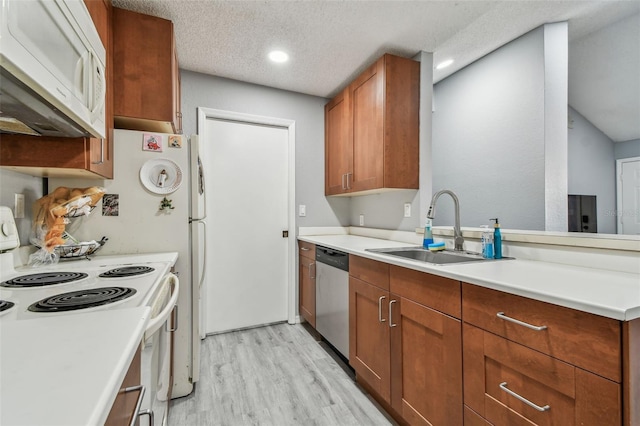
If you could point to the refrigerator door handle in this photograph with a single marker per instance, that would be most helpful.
(204, 254)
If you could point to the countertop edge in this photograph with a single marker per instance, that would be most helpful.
(446, 271)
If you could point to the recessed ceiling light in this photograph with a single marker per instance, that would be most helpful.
(444, 64)
(278, 56)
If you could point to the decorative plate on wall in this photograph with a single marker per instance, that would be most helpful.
(161, 176)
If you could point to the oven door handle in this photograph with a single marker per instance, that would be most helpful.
(162, 317)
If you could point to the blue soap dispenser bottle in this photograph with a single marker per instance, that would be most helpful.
(428, 235)
(497, 240)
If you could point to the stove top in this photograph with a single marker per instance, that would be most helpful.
(57, 289)
(5, 305)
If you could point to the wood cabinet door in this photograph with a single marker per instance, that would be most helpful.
(308, 290)
(510, 384)
(367, 104)
(369, 335)
(426, 364)
(338, 144)
(145, 72)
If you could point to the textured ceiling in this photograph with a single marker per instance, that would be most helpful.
(331, 42)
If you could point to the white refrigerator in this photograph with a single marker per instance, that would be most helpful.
(132, 217)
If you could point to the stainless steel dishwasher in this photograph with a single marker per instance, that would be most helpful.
(332, 297)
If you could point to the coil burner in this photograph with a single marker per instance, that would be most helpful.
(126, 271)
(82, 299)
(5, 305)
(43, 279)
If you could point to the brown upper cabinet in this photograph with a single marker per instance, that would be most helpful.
(69, 157)
(146, 75)
(372, 130)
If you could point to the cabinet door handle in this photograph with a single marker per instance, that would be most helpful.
(305, 248)
(312, 277)
(140, 389)
(380, 299)
(504, 387)
(344, 186)
(348, 184)
(391, 324)
(501, 315)
(101, 152)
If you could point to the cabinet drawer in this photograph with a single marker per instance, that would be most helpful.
(585, 340)
(508, 383)
(307, 249)
(370, 271)
(439, 293)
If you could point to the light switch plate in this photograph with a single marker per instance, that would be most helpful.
(302, 210)
(19, 206)
(407, 209)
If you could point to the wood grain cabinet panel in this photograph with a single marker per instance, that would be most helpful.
(70, 157)
(510, 384)
(307, 282)
(146, 73)
(369, 336)
(408, 354)
(372, 130)
(123, 408)
(588, 341)
(426, 365)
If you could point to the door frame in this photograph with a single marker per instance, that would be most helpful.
(619, 190)
(290, 125)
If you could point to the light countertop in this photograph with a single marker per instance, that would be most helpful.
(607, 293)
(66, 370)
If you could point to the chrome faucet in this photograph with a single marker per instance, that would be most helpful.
(457, 233)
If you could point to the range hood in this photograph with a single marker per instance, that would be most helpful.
(23, 111)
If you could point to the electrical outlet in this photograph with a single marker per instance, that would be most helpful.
(361, 220)
(19, 206)
(302, 210)
(407, 209)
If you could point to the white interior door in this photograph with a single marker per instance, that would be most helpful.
(628, 171)
(247, 185)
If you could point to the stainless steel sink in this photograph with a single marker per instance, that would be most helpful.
(444, 257)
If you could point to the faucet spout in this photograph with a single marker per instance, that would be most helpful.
(457, 233)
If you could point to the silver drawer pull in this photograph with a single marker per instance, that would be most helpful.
(501, 315)
(391, 324)
(312, 267)
(141, 389)
(305, 248)
(504, 387)
(380, 299)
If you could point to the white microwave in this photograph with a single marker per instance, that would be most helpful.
(52, 65)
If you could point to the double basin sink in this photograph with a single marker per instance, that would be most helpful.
(443, 257)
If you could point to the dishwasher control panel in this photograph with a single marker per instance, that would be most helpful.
(332, 257)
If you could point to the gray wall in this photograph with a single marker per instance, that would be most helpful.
(592, 168)
(627, 149)
(200, 90)
(488, 137)
(12, 183)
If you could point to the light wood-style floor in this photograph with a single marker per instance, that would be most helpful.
(274, 375)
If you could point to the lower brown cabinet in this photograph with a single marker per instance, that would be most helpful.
(307, 281)
(123, 409)
(406, 352)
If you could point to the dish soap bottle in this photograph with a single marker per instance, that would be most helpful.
(487, 242)
(428, 235)
(497, 240)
